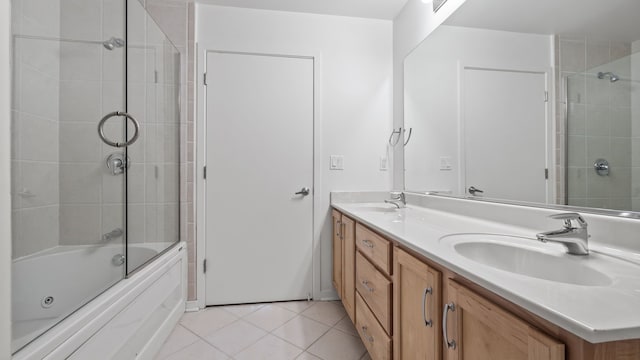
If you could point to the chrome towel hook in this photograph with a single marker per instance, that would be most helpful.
(409, 137)
(395, 132)
(133, 139)
(400, 132)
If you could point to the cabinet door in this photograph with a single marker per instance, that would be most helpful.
(483, 331)
(337, 252)
(349, 266)
(416, 290)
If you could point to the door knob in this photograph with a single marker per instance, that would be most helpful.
(304, 191)
(472, 190)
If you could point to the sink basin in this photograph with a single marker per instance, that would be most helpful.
(380, 209)
(522, 256)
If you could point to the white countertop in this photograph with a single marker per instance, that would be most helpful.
(594, 313)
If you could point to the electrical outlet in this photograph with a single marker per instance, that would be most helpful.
(336, 162)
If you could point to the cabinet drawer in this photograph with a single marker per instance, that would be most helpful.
(377, 248)
(375, 289)
(377, 342)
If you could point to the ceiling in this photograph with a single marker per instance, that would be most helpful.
(615, 20)
(376, 9)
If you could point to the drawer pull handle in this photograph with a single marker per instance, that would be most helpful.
(343, 230)
(366, 336)
(368, 243)
(427, 291)
(366, 283)
(338, 227)
(450, 344)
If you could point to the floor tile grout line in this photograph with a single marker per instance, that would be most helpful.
(182, 348)
(207, 342)
(296, 313)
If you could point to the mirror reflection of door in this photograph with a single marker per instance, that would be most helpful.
(504, 134)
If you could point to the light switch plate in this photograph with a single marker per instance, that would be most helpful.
(336, 162)
(384, 166)
(445, 163)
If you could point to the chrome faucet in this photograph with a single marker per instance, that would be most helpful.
(576, 239)
(115, 233)
(398, 199)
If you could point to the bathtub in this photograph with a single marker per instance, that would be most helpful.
(93, 275)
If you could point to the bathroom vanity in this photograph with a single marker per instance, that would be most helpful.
(449, 278)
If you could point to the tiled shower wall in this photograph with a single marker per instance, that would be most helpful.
(177, 21)
(599, 122)
(35, 117)
(91, 84)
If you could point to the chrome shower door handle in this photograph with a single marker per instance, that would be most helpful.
(136, 127)
(304, 191)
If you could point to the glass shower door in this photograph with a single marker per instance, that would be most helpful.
(68, 186)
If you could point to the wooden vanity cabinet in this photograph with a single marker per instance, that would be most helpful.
(391, 293)
(417, 310)
(374, 265)
(337, 252)
(476, 329)
(344, 257)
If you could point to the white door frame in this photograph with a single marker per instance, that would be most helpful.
(550, 140)
(200, 162)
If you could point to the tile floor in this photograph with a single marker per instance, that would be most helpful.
(287, 330)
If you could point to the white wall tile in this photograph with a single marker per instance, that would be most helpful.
(41, 180)
(39, 138)
(572, 55)
(38, 93)
(80, 184)
(80, 62)
(598, 147)
(29, 237)
(37, 17)
(80, 101)
(81, 19)
(598, 120)
(620, 119)
(80, 142)
(80, 224)
(598, 91)
(621, 152)
(597, 53)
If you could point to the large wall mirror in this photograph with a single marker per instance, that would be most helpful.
(528, 101)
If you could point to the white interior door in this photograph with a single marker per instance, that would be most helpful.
(259, 153)
(504, 120)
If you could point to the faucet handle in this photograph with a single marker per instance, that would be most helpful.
(568, 217)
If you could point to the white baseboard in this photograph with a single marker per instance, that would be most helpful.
(191, 306)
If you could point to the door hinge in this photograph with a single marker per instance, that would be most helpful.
(204, 173)
(546, 96)
(546, 174)
(205, 79)
(204, 266)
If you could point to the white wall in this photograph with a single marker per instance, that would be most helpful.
(635, 128)
(5, 179)
(355, 104)
(414, 23)
(432, 88)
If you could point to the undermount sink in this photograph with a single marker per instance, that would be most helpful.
(379, 208)
(515, 255)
